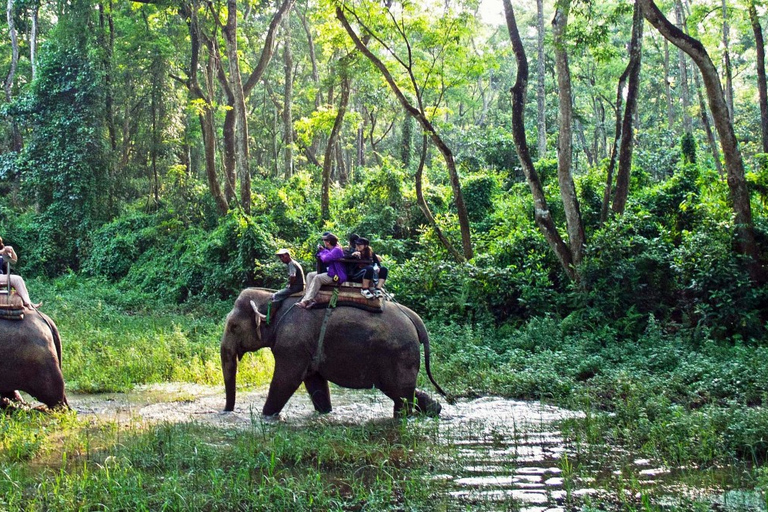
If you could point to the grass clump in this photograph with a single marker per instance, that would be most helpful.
(113, 341)
(374, 466)
(676, 396)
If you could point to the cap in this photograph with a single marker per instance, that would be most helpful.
(353, 237)
(331, 238)
(362, 241)
(283, 251)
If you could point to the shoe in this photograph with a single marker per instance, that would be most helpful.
(379, 293)
(366, 293)
(304, 305)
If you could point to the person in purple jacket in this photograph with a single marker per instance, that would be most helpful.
(329, 253)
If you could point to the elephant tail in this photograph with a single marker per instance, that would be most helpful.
(55, 333)
(424, 339)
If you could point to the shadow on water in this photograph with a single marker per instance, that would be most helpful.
(506, 454)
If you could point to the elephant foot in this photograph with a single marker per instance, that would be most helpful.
(428, 406)
(274, 418)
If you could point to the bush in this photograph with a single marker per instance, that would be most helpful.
(177, 262)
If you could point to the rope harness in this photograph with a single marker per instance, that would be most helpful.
(319, 352)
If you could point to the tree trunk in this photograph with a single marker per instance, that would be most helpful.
(668, 89)
(541, 211)
(241, 122)
(423, 202)
(341, 166)
(608, 191)
(541, 92)
(16, 142)
(106, 23)
(762, 87)
(727, 62)
(576, 237)
(687, 124)
(427, 126)
(584, 143)
(733, 161)
(312, 59)
(325, 200)
(707, 126)
(33, 39)
(189, 12)
(627, 138)
(288, 100)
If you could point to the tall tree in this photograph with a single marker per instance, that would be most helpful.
(16, 141)
(683, 67)
(288, 99)
(241, 121)
(624, 117)
(541, 210)
(418, 111)
(576, 236)
(627, 137)
(762, 88)
(733, 161)
(541, 92)
(727, 68)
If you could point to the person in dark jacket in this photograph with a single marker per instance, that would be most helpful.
(375, 273)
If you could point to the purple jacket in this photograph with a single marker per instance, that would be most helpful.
(335, 267)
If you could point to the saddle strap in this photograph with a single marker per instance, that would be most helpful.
(319, 353)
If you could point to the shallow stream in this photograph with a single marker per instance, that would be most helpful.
(510, 454)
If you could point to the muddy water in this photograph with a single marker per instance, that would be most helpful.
(510, 455)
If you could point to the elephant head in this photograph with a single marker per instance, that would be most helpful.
(242, 333)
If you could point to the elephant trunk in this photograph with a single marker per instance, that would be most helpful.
(229, 369)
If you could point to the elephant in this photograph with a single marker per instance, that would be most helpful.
(30, 360)
(360, 350)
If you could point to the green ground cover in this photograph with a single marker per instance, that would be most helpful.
(680, 399)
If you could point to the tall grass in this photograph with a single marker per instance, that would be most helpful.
(114, 340)
(80, 465)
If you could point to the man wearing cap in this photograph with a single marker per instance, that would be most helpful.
(330, 254)
(295, 276)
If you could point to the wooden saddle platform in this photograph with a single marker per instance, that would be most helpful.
(348, 295)
(11, 306)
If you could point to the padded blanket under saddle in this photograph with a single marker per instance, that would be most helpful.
(11, 306)
(349, 295)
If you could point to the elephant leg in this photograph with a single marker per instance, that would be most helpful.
(427, 405)
(49, 390)
(285, 381)
(317, 387)
(403, 401)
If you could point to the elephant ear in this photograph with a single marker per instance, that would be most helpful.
(259, 318)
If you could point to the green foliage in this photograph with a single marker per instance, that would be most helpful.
(626, 275)
(116, 338)
(64, 164)
(189, 467)
(176, 262)
(717, 293)
(478, 191)
(688, 148)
